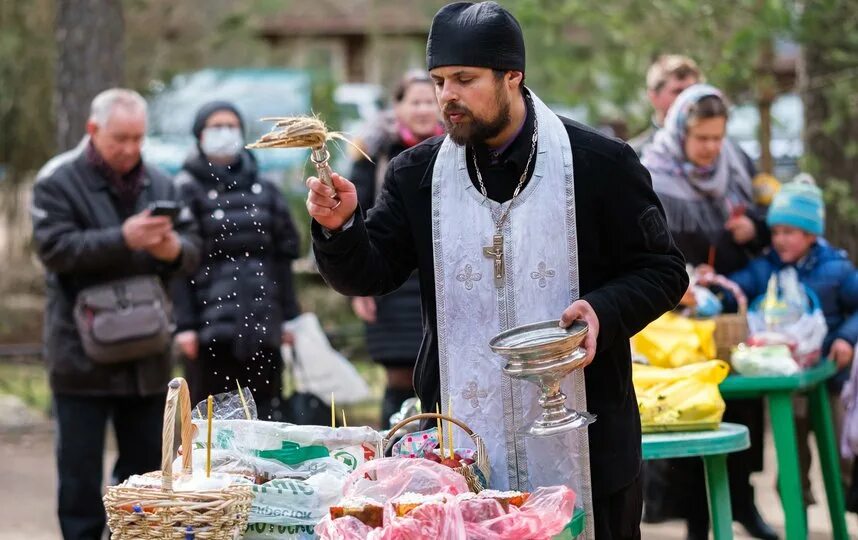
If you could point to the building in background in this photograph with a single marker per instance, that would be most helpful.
(353, 39)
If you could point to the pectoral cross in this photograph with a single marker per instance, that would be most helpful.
(495, 251)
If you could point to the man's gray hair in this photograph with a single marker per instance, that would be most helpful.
(104, 104)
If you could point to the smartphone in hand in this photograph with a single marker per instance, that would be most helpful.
(170, 209)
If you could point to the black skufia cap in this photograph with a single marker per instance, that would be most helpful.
(476, 35)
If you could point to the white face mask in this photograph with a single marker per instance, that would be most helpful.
(222, 142)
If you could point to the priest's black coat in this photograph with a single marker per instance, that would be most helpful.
(630, 271)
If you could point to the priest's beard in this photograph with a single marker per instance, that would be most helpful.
(477, 131)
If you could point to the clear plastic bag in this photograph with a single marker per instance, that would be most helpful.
(849, 398)
(706, 304)
(785, 300)
(228, 406)
(270, 450)
(196, 482)
(323, 371)
(299, 471)
(385, 479)
(764, 360)
(409, 408)
(297, 494)
(792, 311)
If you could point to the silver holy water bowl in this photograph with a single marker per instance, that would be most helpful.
(544, 354)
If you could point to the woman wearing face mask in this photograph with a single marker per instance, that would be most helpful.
(393, 325)
(707, 195)
(230, 314)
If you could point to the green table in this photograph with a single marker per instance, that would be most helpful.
(779, 392)
(713, 447)
(575, 527)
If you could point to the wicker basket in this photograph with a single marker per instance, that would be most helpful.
(476, 474)
(731, 329)
(161, 514)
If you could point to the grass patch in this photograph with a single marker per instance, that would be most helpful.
(29, 382)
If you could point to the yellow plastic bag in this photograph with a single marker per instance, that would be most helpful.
(680, 399)
(673, 341)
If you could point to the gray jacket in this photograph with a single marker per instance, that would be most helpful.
(77, 229)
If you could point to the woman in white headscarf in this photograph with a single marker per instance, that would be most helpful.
(704, 184)
(705, 187)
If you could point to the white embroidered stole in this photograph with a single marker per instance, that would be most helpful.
(541, 280)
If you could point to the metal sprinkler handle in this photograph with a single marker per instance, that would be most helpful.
(320, 156)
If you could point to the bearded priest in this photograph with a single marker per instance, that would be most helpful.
(514, 216)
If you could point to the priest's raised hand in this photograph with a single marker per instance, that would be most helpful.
(331, 207)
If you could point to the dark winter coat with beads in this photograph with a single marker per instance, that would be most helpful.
(243, 291)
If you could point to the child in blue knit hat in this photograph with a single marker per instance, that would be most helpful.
(797, 221)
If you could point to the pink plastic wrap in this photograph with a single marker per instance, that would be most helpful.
(344, 528)
(480, 510)
(385, 479)
(430, 521)
(545, 514)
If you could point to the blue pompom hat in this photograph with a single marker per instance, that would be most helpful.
(799, 204)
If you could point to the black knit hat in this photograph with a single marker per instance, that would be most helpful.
(477, 35)
(209, 109)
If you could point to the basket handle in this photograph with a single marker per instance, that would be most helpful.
(425, 416)
(736, 291)
(178, 396)
(482, 461)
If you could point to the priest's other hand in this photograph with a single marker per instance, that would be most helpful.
(582, 310)
(331, 208)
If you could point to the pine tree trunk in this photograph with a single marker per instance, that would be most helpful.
(828, 72)
(90, 58)
(766, 90)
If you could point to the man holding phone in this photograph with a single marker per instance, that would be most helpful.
(170, 209)
(108, 227)
(152, 230)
